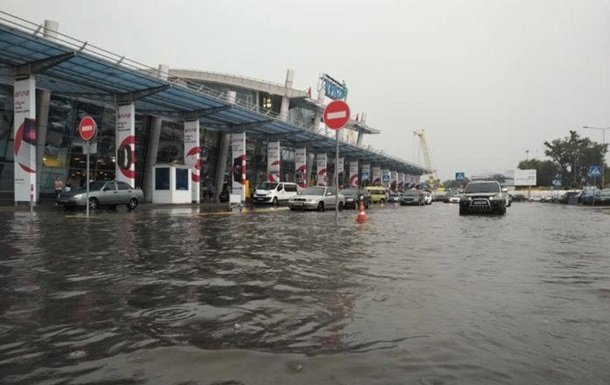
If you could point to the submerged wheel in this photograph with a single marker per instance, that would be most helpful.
(381, 201)
(93, 203)
(132, 204)
(321, 206)
(275, 202)
(340, 206)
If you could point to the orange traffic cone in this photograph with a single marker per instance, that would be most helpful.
(361, 218)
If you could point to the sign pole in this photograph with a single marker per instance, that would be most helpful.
(87, 180)
(337, 179)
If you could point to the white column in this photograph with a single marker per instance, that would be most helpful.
(353, 173)
(191, 157)
(285, 99)
(321, 164)
(273, 161)
(300, 166)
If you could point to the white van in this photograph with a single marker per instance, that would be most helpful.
(274, 192)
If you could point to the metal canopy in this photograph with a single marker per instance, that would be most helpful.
(93, 73)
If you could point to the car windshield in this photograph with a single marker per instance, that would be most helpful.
(313, 191)
(268, 185)
(482, 188)
(411, 193)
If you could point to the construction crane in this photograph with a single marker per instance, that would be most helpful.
(432, 177)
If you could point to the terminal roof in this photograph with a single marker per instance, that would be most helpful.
(70, 67)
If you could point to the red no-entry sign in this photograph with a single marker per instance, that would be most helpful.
(336, 114)
(87, 128)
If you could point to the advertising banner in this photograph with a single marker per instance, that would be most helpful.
(273, 161)
(525, 177)
(504, 177)
(321, 165)
(366, 174)
(376, 176)
(300, 173)
(394, 180)
(238, 148)
(340, 168)
(25, 139)
(126, 144)
(353, 173)
(192, 156)
(400, 183)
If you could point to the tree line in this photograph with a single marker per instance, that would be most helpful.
(569, 161)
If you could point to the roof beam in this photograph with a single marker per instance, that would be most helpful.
(37, 66)
(202, 112)
(132, 96)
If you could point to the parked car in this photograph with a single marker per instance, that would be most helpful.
(452, 197)
(352, 196)
(483, 197)
(394, 197)
(379, 194)
(274, 192)
(110, 193)
(599, 197)
(316, 198)
(519, 198)
(412, 198)
(427, 197)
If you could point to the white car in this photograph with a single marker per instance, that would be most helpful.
(427, 198)
(316, 198)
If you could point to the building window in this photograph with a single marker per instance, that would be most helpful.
(162, 178)
(182, 179)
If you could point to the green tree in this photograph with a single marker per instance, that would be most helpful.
(453, 184)
(573, 155)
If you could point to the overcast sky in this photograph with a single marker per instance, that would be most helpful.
(486, 79)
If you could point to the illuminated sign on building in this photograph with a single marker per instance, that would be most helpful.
(333, 89)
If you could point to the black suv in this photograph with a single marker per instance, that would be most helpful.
(483, 197)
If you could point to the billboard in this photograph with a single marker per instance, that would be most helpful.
(525, 177)
(504, 177)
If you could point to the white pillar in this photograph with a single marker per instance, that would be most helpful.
(25, 139)
(126, 144)
(285, 99)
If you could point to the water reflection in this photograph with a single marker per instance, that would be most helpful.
(415, 294)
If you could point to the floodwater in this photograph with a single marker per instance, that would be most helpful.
(416, 295)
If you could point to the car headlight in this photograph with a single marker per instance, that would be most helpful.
(78, 196)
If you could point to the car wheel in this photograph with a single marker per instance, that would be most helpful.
(340, 206)
(93, 203)
(381, 201)
(132, 204)
(463, 210)
(321, 206)
(275, 202)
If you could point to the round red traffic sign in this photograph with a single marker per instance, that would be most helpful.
(87, 128)
(336, 114)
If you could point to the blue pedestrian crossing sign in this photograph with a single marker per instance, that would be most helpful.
(386, 178)
(595, 170)
(557, 182)
(460, 176)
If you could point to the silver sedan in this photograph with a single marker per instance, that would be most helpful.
(316, 198)
(103, 192)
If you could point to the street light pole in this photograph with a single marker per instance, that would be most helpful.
(603, 130)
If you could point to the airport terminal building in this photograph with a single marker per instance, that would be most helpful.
(228, 130)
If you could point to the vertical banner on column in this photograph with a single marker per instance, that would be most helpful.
(376, 176)
(340, 169)
(25, 139)
(353, 173)
(192, 157)
(400, 184)
(300, 167)
(273, 161)
(322, 173)
(126, 144)
(238, 148)
(394, 180)
(366, 175)
(386, 178)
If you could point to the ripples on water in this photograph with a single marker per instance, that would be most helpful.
(415, 295)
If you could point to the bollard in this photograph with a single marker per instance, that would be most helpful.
(361, 218)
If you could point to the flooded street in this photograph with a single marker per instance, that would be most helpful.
(416, 295)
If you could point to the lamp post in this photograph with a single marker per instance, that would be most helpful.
(603, 130)
(527, 155)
